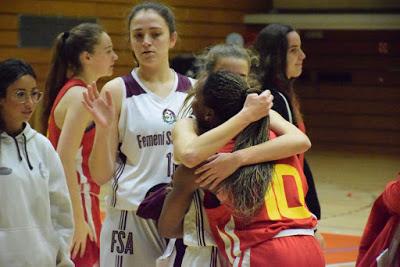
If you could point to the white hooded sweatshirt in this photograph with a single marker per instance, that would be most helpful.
(36, 225)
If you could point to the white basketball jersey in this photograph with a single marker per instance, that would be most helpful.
(145, 136)
(201, 250)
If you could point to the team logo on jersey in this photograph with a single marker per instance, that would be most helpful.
(169, 116)
(122, 242)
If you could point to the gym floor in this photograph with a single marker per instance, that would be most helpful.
(348, 181)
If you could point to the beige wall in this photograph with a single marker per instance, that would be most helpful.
(199, 23)
(360, 107)
(336, 4)
(364, 110)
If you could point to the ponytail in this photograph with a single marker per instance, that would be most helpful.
(57, 76)
(65, 61)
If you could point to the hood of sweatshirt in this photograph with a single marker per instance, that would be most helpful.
(20, 141)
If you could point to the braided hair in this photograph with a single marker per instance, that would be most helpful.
(225, 93)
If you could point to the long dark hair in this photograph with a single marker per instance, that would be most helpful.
(10, 71)
(225, 93)
(272, 44)
(65, 60)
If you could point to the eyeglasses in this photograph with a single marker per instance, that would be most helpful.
(22, 96)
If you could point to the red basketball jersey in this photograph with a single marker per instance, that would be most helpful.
(53, 133)
(284, 210)
(89, 189)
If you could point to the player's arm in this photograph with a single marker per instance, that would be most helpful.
(290, 141)
(105, 109)
(176, 204)
(76, 120)
(191, 149)
(391, 196)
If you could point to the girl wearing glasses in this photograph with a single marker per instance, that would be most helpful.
(86, 51)
(35, 214)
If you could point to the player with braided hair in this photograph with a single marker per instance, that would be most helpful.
(224, 94)
(220, 57)
(256, 230)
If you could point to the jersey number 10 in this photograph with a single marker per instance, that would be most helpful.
(276, 199)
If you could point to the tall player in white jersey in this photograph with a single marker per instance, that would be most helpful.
(133, 145)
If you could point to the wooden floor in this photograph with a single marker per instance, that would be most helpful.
(348, 181)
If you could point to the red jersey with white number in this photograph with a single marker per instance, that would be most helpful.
(284, 213)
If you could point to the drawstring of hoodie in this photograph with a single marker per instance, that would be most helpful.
(16, 144)
(26, 151)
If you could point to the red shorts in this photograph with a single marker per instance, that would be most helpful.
(291, 251)
(90, 204)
